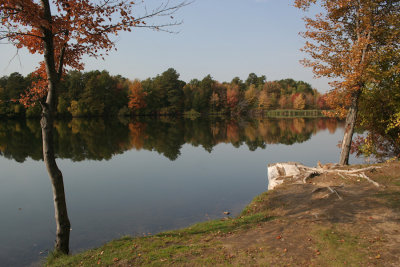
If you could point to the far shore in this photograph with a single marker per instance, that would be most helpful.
(276, 113)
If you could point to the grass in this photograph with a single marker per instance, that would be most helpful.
(216, 242)
(340, 248)
(197, 244)
(391, 195)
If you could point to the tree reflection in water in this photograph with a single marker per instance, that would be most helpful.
(98, 139)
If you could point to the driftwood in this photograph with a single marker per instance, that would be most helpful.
(278, 172)
(330, 190)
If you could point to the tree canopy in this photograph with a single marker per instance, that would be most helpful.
(98, 93)
(64, 31)
(357, 44)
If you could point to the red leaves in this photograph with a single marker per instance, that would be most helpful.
(38, 88)
(232, 95)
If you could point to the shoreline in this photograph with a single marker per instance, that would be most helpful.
(267, 113)
(293, 224)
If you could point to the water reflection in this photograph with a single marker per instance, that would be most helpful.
(151, 193)
(98, 139)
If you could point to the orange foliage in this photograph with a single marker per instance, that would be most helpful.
(263, 100)
(38, 88)
(250, 131)
(332, 124)
(232, 95)
(298, 125)
(136, 96)
(298, 101)
(67, 30)
(346, 42)
(137, 135)
(283, 102)
(232, 132)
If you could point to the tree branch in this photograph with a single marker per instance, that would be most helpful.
(8, 35)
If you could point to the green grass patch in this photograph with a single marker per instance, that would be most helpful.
(225, 226)
(257, 205)
(168, 248)
(339, 248)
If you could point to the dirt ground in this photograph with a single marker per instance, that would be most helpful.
(356, 225)
(331, 220)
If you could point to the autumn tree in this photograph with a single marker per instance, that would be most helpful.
(283, 102)
(383, 124)
(237, 81)
(232, 96)
(251, 96)
(347, 42)
(298, 101)
(272, 87)
(218, 97)
(214, 102)
(263, 100)
(310, 100)
(64, 31)
(136, 96)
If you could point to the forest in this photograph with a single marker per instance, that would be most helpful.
(99, 94)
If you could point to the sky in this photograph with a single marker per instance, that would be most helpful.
(223, 38)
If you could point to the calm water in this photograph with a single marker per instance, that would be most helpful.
(138, 177)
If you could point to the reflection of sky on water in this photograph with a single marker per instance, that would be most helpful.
(138, 192)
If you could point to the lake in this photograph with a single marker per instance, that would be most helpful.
(136, 177)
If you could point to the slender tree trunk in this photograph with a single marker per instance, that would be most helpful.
(56, 178)
(47, 124)
(349, 129)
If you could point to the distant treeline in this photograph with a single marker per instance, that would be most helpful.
(97, 93)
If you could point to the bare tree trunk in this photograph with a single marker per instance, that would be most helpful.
(349, 129)
(47, 124)
(56, 178)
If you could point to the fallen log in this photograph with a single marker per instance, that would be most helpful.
(296, 172)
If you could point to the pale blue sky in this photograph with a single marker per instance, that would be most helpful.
(224, 38)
